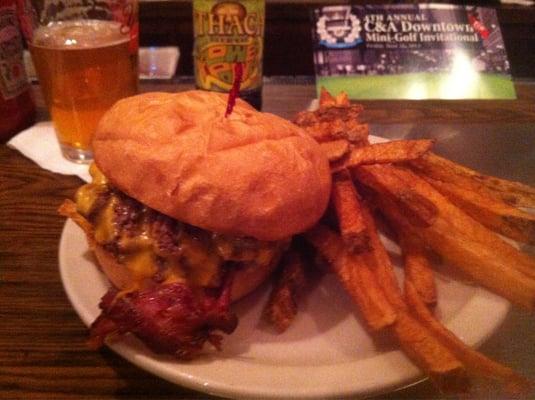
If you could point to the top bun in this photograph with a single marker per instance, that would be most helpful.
(251, 174)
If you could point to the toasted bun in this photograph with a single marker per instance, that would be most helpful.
(245, 281)
(251, 174)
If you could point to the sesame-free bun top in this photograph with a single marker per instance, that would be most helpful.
(250, 174)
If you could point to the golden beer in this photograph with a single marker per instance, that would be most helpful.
(84, 67)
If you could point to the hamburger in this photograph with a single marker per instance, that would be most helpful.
(189, 210)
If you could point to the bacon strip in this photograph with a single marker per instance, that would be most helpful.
(170, 318)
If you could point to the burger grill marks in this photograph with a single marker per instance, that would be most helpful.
(158, 249)
(181, 274)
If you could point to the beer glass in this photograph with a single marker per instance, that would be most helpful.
(85, 56)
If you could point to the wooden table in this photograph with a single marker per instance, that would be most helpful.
(42, 341)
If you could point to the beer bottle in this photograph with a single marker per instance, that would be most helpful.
(17, 109)
(228, 32)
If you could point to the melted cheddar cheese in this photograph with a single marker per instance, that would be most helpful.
(181, 253)
(137, 249)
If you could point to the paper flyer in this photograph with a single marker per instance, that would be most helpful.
(411, 51)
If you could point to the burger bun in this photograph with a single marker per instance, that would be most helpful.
(249, 174)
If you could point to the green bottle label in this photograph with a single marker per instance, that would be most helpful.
(227, 32)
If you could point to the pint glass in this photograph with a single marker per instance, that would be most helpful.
(85, 55)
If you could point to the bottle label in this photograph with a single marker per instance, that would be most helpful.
(227, 32)
(13, 80)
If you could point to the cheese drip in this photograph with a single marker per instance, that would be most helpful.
(157, 249)
(193, 260)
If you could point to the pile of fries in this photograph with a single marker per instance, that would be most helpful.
(428, 204)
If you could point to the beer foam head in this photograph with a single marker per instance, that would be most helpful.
(79, 34)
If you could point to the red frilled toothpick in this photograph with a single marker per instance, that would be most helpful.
(235, 90)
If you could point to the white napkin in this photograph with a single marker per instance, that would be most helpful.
(40, 145)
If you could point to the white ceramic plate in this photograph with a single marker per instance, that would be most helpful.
(325, 353)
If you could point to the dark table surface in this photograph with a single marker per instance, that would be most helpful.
(42, 341)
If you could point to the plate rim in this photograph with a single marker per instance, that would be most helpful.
(187, 374)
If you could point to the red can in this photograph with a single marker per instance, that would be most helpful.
(17, 109)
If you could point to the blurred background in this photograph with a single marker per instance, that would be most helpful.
(288, 41)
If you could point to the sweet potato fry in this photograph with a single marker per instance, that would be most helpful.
(355, 276)
(511, 256)
(475, 362)
(458, 238)
(438, 362)
(326, 98)
(377, 258)
(444, 369)
(335, 149)
(281, 308)
(384, 153)
(345, 201)
(514, 193)
(491, 212)
(417, 267)
(369, 278)
(342, 100)
(416, 207)
(334, 122)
